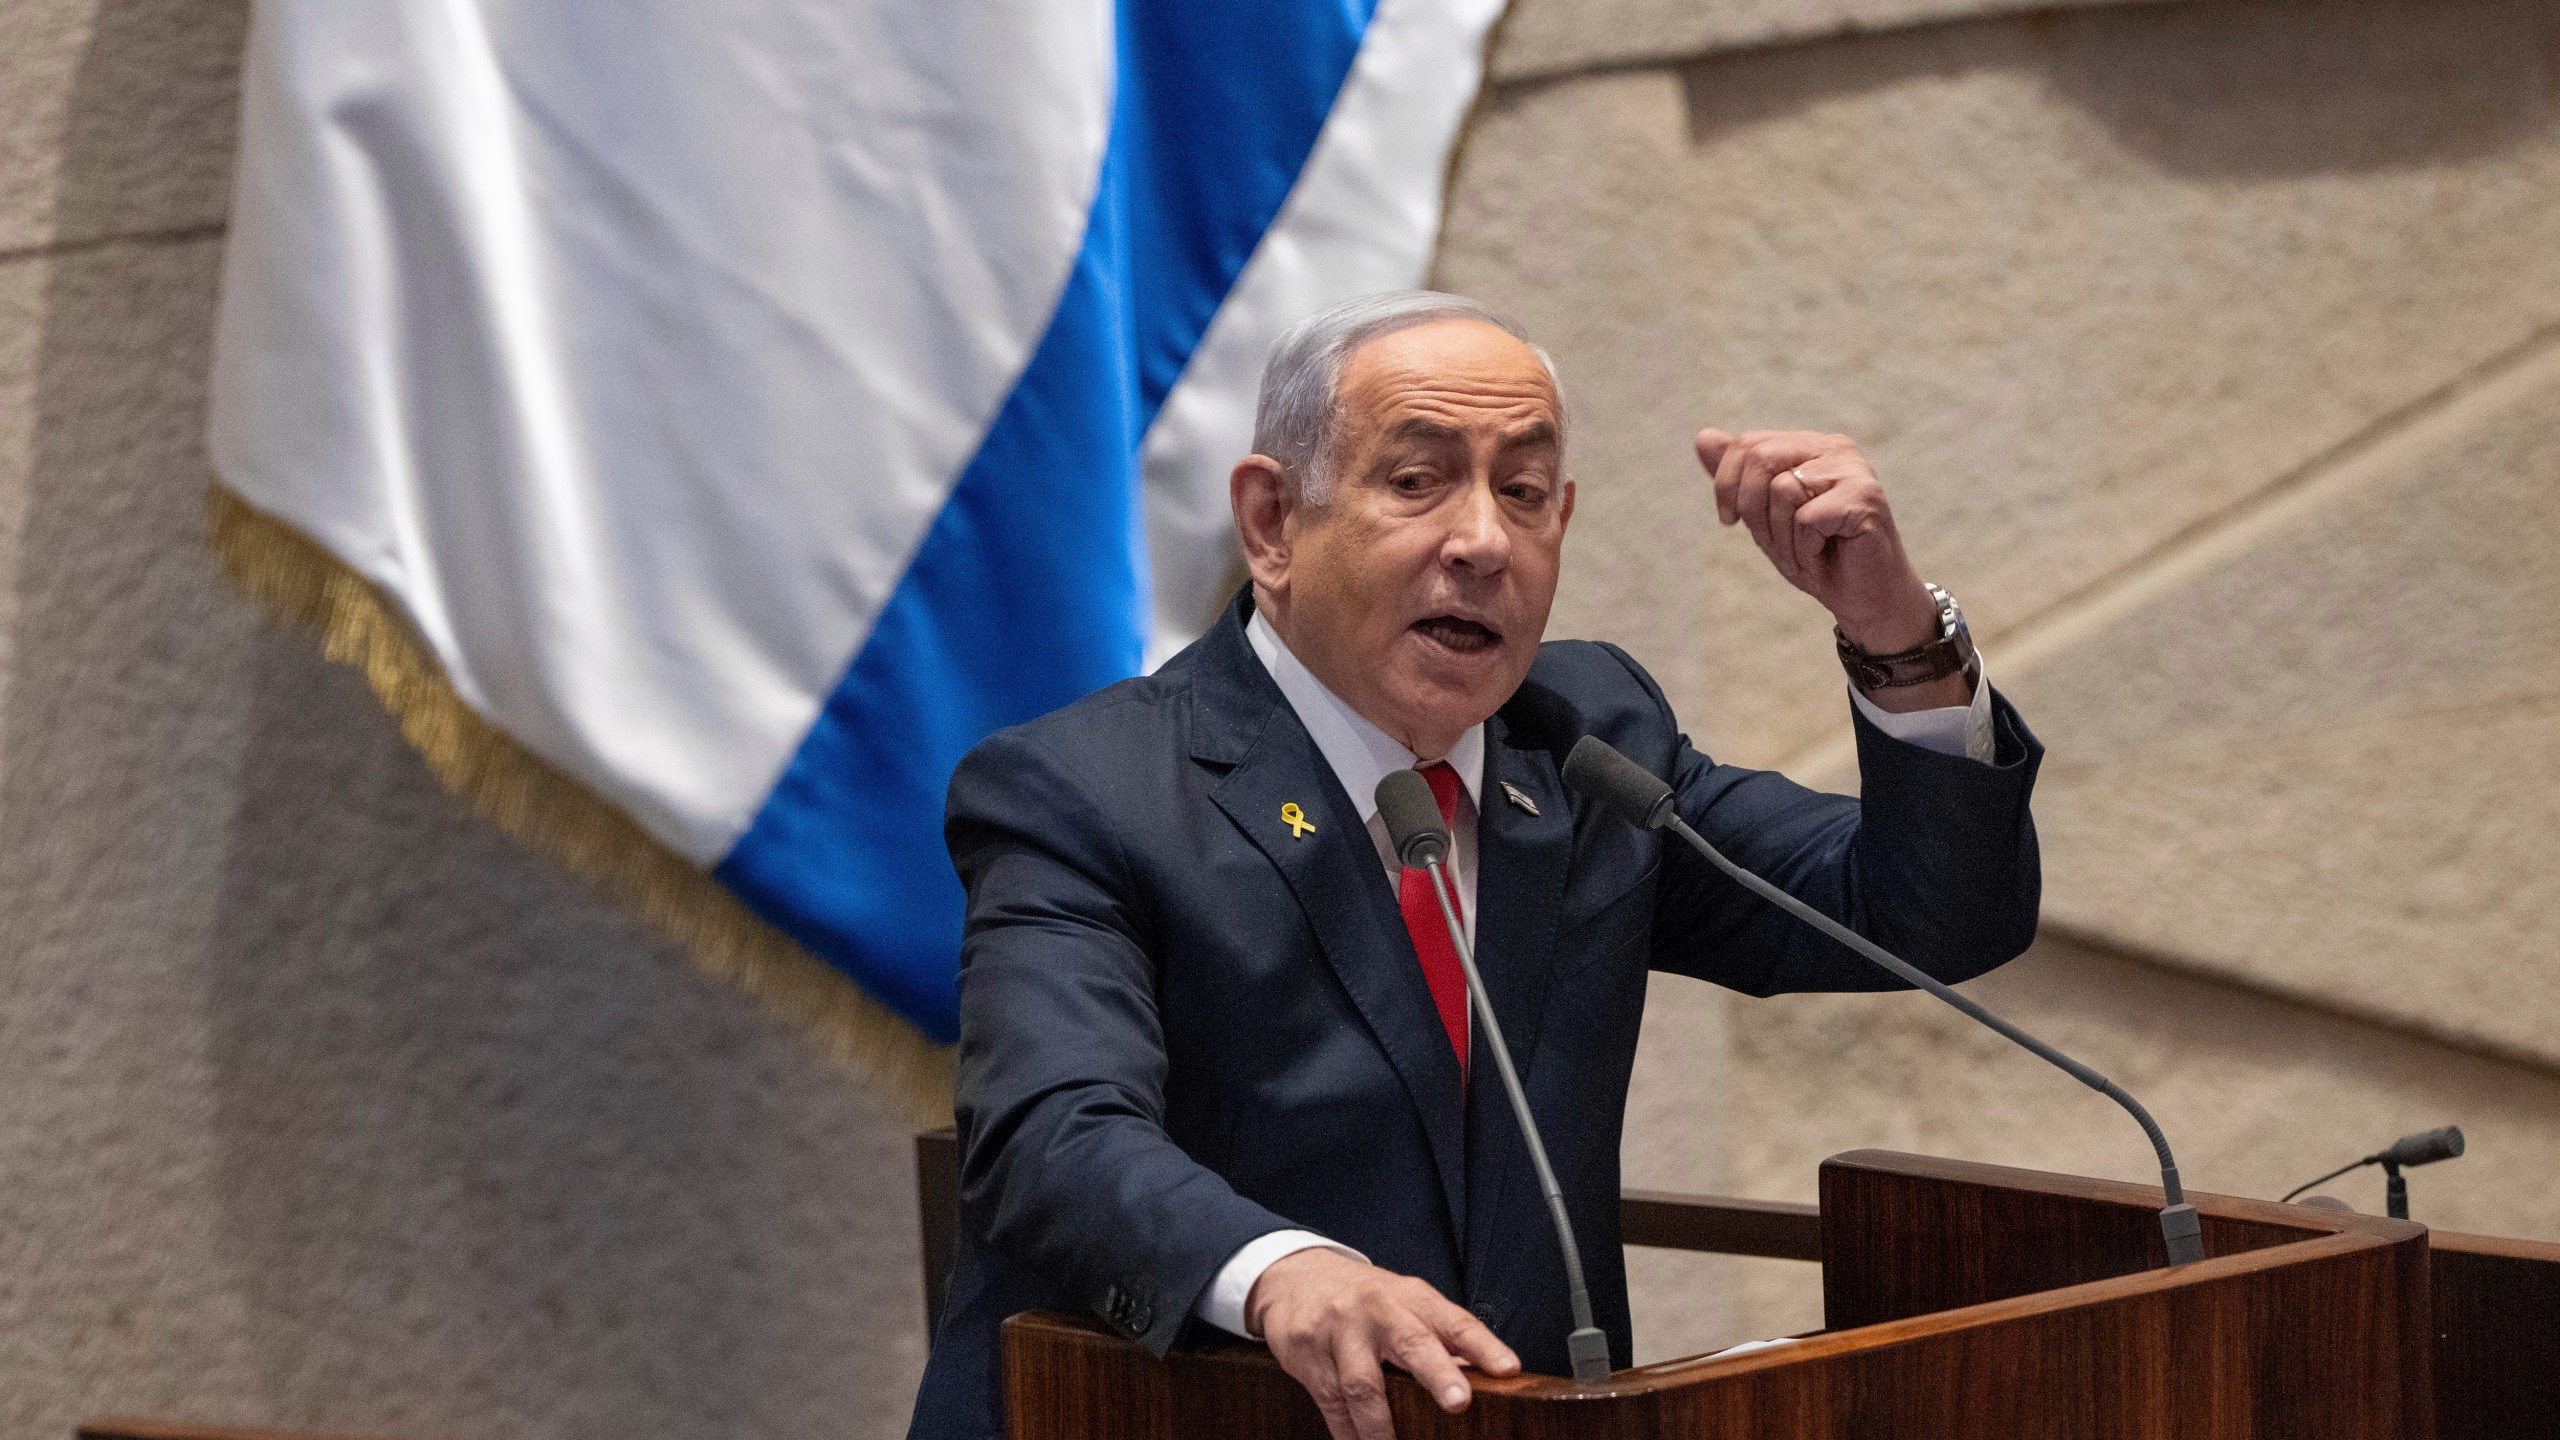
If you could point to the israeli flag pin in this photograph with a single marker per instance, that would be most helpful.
(1523, 801)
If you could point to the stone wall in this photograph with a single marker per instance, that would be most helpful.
(2208, 350)
(321, 1104)
(2211, 353)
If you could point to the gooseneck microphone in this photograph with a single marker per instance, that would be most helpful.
(1422, 843)
(2424, 1148)
(1598, 771)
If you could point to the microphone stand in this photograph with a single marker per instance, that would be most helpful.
(1588, 1347)
(2424, 1148)
(2181, 1229)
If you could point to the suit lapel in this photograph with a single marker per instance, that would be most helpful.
(1521, 863)
(1334, 872)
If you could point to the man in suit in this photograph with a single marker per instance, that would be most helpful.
(1215, 1063)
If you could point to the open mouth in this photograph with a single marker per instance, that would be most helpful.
(1463, 636)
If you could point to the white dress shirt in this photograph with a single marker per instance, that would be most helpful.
(1361, 754)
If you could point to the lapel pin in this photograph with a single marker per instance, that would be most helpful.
(1300, 827)
(1523, 801)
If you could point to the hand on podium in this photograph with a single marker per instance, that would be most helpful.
(1334, 1323)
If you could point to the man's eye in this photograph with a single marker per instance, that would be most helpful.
(1410, 481)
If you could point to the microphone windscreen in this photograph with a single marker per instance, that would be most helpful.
(1595, 769)
(1412, 814)
(2426, 1147)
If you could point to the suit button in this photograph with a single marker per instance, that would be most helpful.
(1483, 1310)
(1124, 1312)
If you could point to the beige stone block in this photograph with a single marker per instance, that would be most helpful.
(1542, 38)
(323, 1105)
(1634, 546)
(2327, 763)
(2078, 282)
(1675, 1132)
(115, 118)
(2256, 1096)
(22, 286)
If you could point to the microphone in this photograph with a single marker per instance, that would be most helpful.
(1422, 843)
(2424, 1148)
(1619, 784)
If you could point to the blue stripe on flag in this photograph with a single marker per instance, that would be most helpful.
(1030, 588)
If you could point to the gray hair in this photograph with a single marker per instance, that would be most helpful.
(1293, 416)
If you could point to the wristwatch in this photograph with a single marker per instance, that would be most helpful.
(1950, 652)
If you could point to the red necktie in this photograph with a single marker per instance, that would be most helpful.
(1430, 930)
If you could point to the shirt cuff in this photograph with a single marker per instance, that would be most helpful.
(1222, 1304)
(1949, 730)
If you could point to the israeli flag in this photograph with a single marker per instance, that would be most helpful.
(748, 407)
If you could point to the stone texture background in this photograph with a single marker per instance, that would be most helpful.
(2212, 355)
(2211, 351)
(321, 1104)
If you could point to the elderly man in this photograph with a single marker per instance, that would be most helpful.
(1216, 1065)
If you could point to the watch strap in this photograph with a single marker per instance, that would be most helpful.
(1949, 651)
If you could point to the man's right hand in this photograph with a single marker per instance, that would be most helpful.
(1335, 1323)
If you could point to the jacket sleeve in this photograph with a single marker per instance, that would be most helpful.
(1936, 861)
(1065, 1164)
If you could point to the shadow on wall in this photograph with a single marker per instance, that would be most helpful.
(349, 1113)
(2239, 92)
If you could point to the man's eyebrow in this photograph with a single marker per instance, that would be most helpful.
(1541, 432)
(1418, 428)
(1537, 432)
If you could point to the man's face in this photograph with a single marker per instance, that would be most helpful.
(1418, 592)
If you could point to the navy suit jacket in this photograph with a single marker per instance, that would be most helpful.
(1184, 1024)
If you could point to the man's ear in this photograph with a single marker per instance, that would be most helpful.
(1260, 495)
(1564, 516)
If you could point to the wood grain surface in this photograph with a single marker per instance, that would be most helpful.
(2497, 1337)
(2304, 1324)
(1720, 1224)
(937, 1215)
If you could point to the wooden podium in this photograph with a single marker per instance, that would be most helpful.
(1961, 1300)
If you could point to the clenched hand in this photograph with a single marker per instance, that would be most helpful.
(1815, 507)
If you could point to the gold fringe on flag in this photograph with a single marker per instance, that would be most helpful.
(303, 584)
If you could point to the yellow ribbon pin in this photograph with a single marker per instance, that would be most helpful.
(1300, 827)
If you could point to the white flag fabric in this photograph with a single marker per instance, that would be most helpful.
(748, 407)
